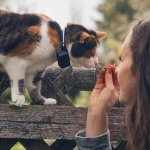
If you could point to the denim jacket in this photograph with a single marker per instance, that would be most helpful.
(101, 142)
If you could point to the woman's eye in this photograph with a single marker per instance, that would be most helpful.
(120, 58)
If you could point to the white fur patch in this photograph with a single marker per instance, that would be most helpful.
(48, 101)
(43, 53)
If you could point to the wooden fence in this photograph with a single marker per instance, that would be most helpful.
(31, 124)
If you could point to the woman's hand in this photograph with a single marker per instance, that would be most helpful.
(103, 97)
(106, 91)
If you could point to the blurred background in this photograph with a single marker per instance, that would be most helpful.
(111, 16)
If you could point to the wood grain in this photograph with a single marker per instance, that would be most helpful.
(52, 122)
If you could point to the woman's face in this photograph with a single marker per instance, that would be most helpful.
(125, 77)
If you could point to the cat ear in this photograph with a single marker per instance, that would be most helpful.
(100, 35)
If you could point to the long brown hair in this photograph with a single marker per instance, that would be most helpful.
(138, 109)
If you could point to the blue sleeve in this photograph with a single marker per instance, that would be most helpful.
(101, 142)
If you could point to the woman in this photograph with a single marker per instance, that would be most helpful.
(130, 81)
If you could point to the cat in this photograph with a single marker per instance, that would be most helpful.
(28, 44)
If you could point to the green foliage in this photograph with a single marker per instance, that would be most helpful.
(117, 18)
(17, 146)
(7, 95)
(82, 99)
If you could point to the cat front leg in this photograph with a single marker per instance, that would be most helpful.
(17, 92)
(16, 72)
(33, 86)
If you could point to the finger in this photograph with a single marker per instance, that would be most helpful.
(101, 80)
(101, 76)
(110, 66)
(114, 75)
(108, 79)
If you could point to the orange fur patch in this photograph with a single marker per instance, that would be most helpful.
(100, 34)
(54, 37)
(35, 30)
(23, 50)
(26, 48)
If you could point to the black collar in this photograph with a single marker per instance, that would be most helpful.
(62, 54)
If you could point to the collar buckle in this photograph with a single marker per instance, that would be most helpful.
(62, 55)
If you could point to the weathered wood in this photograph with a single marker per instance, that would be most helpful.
(56, 122)
(4, 81)
(61, 98)
(86, 79)
(63, 145)
(6, 144)
(34, 144)
(83, 78)
(64, 82)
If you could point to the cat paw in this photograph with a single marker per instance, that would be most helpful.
(14, 98)
(20, 101)
(48, 101)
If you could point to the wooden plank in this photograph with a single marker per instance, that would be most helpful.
(65, 80)
(83, 78)
(63, 145)
(6, 144)
(34, 144)
(52, 122)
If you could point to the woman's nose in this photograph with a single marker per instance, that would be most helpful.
(116, 70)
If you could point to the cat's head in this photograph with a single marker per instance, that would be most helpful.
(83, 45)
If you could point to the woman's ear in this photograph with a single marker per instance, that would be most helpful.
(100, 35)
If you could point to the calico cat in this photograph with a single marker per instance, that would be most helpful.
(28, 44)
